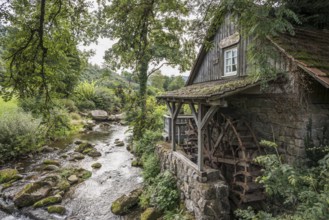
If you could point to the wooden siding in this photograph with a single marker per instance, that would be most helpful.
(212, 66)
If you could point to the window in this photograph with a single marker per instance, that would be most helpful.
(230, 61)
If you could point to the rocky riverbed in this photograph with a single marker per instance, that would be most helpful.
(78, 180)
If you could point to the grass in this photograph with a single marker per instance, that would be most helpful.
(8, 106)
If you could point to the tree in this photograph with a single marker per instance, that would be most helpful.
(158, 80)
(150, 33)
(176, 83)
(40, 46)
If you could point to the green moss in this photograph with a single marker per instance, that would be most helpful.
(48, 201)
(150, 214)
(51, 162)
(57, 209)
(96, 165)
(83, 146)
(85, 174)
(88, 150)
(7, 185)
(63, 185)
(7, 175)
(136, 163)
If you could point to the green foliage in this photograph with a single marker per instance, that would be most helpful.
(146, 144)
(58, 124)
(40, 46)
(85, 90)
(151, 167)
(8, 106)
(294, 192)
(153, 121)
(162, 193)
(106, 99)
(20, 134)
(177, 214)
(176, 83)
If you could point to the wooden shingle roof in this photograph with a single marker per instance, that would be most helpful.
(309, 48)
(211, 90)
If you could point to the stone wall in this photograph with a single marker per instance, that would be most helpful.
(284, 118)
(204, 193)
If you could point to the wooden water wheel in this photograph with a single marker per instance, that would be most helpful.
(230, 145)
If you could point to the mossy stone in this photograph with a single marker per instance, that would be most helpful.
(51, 162)
(96, 165)
(85, 174)
(63, 185)
(48, 201)
(83, 146)
(32, 193)
(136, 163)
(94, 153)
(56, 209)
(7, 175)
(125, 203)
(150, 214)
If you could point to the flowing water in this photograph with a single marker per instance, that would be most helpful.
(92, 199)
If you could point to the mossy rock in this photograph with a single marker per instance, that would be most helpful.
(136, 163)
(94, 153)
(56, 209)
(32, 193)
(51, 162)
(64, 185)
(48, 201)
(96, 165)
(7, 175)
(84, 174)
(83, 146)
(51, 168)
(78, 156)
(119, 143)
(126, 203)
(150, 214)
(88, 150)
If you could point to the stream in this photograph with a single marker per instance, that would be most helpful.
(91, 199)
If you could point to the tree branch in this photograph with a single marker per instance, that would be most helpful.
(157, 68)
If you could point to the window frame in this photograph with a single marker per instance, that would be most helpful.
(225, 50)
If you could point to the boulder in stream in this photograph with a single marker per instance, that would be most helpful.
(83, 147)
(56, 209)
(73, 179)
(96, 165)
(94, 153)
(48, 201)
(32, 193)
(150, 214)
(51, 168)
(7, 175)
(119, 143)
(99, 115)
(126, 203)
(51, 162)
(117, 117)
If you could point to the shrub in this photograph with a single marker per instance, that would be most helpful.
(67, 104)
(58, 124)
(294, 192)
(85, 90)
(20, 134)
(151, 167)
(105, 99)
(85, 104)
(147, 143)
(165, 193)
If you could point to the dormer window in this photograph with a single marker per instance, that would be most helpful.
(230, 61)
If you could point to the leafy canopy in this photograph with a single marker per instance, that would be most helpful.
(40, 46)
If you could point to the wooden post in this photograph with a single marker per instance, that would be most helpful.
(200, 138)
(174, 111)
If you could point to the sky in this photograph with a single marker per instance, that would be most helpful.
(105, 43)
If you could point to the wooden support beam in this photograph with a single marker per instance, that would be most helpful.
(200, 137)
(208, 116)
(175, 111)
(194, 113)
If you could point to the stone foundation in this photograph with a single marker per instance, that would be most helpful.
(204, 193)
